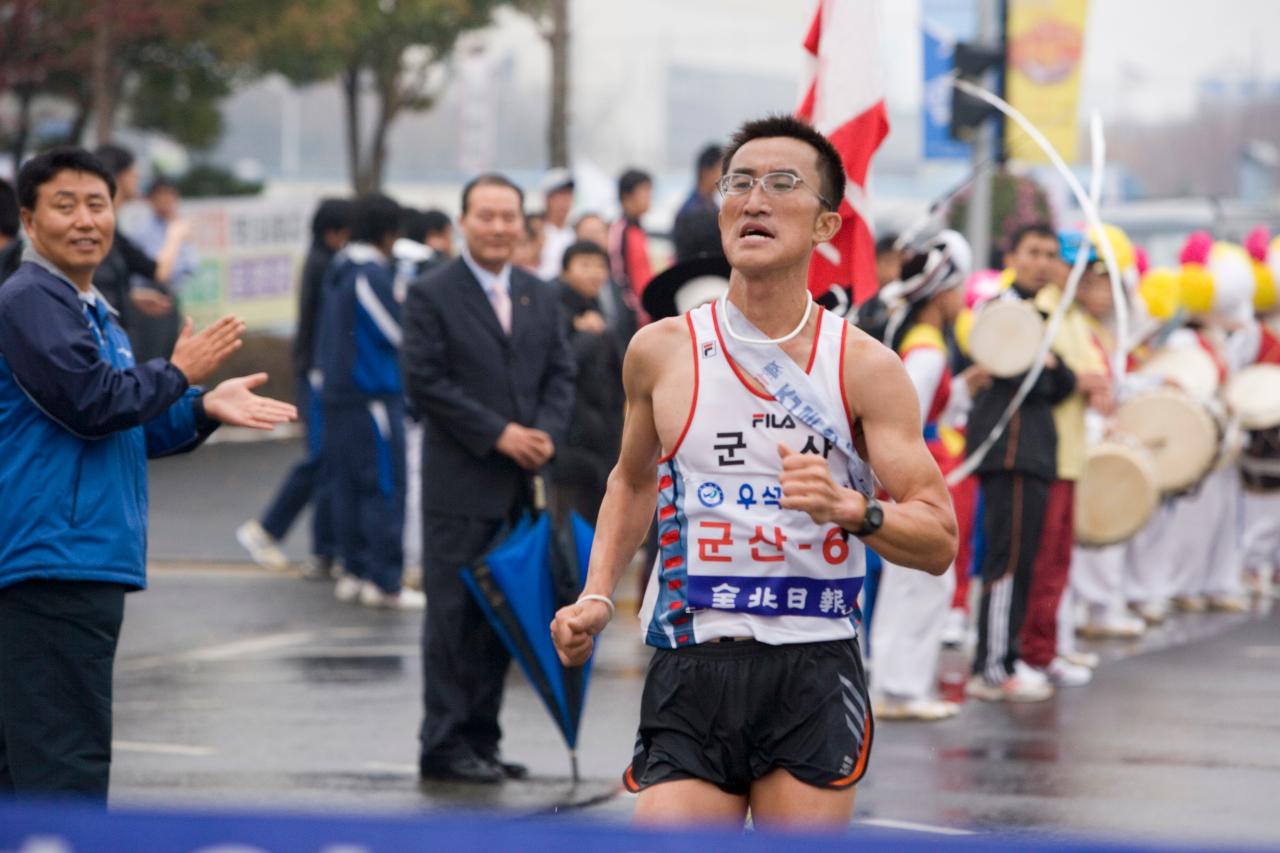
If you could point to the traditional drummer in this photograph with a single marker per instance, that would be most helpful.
(1015, 475)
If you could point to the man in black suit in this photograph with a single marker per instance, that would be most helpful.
(486, 361)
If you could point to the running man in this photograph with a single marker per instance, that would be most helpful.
(756, 697)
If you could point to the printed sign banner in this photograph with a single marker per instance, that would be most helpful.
(250, 253)
(1046, 46)
(944, 22)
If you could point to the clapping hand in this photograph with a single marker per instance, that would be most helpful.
(233, 403)
(198, 355)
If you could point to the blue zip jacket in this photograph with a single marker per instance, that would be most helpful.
(358, 338)
(77, 422)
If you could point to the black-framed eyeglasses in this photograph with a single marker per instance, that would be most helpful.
(773, 183)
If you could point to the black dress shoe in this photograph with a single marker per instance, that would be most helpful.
(465, 768)
(509, 770)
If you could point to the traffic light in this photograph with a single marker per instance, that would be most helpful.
(971, 62)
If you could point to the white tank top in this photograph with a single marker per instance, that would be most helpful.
(732, 562)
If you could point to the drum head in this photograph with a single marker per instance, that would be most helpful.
(1179, 432)
(1193, 369)
(1006, 336)
(1253, 395)
(1117, 492)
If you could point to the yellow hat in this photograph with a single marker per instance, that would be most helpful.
(1120, 244)
(1161, 291)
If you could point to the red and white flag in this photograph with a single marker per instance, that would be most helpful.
(845, 101)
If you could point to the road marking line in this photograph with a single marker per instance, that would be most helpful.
(407, 650)
(221, 652)
(1262, 651)
(388, 767)
(889, 823)
(160, 748)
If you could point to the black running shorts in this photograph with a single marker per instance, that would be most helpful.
(729, 713)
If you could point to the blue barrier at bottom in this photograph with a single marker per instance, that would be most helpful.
(73, 828)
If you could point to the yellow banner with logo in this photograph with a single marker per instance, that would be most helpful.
(1045, 40)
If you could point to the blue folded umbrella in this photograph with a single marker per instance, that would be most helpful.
(520, 583)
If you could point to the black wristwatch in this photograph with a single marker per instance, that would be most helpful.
(872, 518)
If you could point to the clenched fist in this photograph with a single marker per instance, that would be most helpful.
(807, 486)
(574, 629)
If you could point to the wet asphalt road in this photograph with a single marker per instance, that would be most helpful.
(239, 688)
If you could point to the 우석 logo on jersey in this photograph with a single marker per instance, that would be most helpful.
(769, 420)
(710, 494)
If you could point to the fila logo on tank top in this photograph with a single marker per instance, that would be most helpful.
(731, 561)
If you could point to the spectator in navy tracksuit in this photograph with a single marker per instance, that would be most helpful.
(305, 482)
(78, 420)
(357, 353)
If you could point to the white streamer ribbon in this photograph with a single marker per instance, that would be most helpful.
(1090, 210)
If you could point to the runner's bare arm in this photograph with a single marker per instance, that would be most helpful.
(632, 492)
(920, 525)
(919, 528)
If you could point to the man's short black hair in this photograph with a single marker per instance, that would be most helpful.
(630, 181)
(376, 217)
(116, 158)
(886, 243)
(160, 182)
(411, 224)
(830, 167)
(10, 221)
(42, 168)
(435, 222)
(490, 179)
(710, 157)
(1039, 229)
(333, 214)
(581, 249)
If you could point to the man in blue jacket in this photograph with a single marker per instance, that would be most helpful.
(78, 420)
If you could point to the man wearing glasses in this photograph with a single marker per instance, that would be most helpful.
(755, 697)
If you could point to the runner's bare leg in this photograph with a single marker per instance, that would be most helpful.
(689, 801)
(780, 800)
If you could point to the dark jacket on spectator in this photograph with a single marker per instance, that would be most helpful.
(595, 429)
(313, 268)
(470, 379)
(114, 277)
(10, 259)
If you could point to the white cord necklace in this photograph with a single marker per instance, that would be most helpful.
(724, 307)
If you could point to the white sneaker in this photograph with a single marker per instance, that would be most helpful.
(953, 630)
(1025, 685)
(924, 710)
(348, 588)
(1119, 626)
(1064, 673)
(1152, 612)
(262, 547)
(1088, 660)
(1227, 604)
(1189, 603)
(405, 599)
